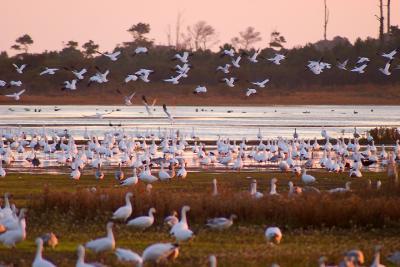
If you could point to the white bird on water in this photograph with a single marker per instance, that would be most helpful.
(16, 96)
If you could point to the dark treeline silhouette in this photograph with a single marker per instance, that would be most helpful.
(291, 74)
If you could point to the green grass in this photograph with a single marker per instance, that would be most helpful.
(242, 245)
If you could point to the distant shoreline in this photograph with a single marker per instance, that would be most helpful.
(220, 96)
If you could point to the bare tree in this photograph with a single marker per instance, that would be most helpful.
(178, 29)
(326, 18)
(247, 38)
(381, 21)
(201, 35)
(388, 16)
(169, 40)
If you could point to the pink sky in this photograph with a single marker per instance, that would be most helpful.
(50, 22)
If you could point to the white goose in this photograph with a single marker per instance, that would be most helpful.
(130, 180)
(146, 176)
(123, 213)
(273, 191)
(215, 188)
(273, 235)
(163, 175)
(306, 178)
(341, 189)
(128, 255)
(221, 223)
(81, 259)
(39, 261)
(11, 237)
(103, 244)
(143, 222)
(160, 252)
(50, 71)
(16, 96)
(20, 69)
(261, 84)
(172, 219)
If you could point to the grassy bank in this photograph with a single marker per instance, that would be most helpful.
(312, 226)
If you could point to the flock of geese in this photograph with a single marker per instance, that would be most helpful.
(182, 71)
(141, 152)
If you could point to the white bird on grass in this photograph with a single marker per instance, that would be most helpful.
(143, 222)
(103, 244)
(123, 213)
(128, 255)
(273, 235)
(160, 253)
(39, 261)
(221, 223)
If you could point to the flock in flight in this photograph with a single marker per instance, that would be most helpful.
(182, 71)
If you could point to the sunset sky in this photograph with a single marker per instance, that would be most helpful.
(50, 22)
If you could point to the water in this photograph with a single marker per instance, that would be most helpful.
(208, 122)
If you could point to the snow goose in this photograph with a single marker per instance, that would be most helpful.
(143, 222)
(390, 55)
(140, 50)
(385, 70)
(273, 235)
(184, 58)
(229, 82)
(182, 173)
(21, 68)
(226, 52)
(99, 174)
(182, 224)
(221, 223)
(235, 62)
(79, 74)
(123, 213)
(128, 99)
(103, 244)
(81, 259)
(250, 91)
(160, 252)
(112, 56)
(273, 191)
(70, 85)
(253, 190)
(2, 170)
(49, 71)
(144, 74)
(359, 69)
(261, 84)
(16, 96)
(277, 59)
(306, 178)
(377, 258)
(167, 113)
(15, 83)
(128, 255)
(163, 175)
(146, 176)
(13, 236)
(130, 180)
(342, 65)
(213, 261)
(253, 58)
(200, 90)
(119, 174)
(294, 190)
(224, 69)
(39, 261)
(341, 189)
(357, 256)
(172, 219)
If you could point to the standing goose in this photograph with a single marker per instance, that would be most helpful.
(306, 178)
(160, 252)
(377, 258)
(99, 174)
(163, 175)
(273, 191)
(221, 223)
(39, 261)
(125, 211)
(172, 219)
(130, 180)
(15, 235)
(213, 260)
(341, 189)
(273, 235)
(81, 259)
(143, 222)
(128, 255)
(103, 244)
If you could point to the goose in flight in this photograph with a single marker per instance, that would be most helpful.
(251, 91)
(261, 84)
(2, 83)
(128, 99)
(226, 52)
(342, 65)
(78, 73)
(174, 80)
(131, 77)
(224, 69)
(141, 50)
(112, 56)
(230, 82)
(146, 104)
(14, 83)
(253, 58)
(235, 62)
(182, 69)
(277, 59)
(362, 60)
(21, 68)
(360, 69)
(71, 85)
(168, 114)
(385, 70)
(144, 74)
(390, 55)
(99, 77)
(200, 89)
(49, 71)
(16, 96)
(184, 58)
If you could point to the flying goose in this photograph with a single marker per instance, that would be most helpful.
(21, 68)
(200, 89)
(230, 82)
(385, 70)
(112, 56)
(16, 96)
(141, 50)
(71, 85)
(128, 99)
(49, 71)
(250, 91)
(224, 69)
(342, 65)
(131, 77)
(184, 58)
(390, 55)
(261, 84)
(277, 59)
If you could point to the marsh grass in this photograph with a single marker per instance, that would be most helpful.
(312, 225)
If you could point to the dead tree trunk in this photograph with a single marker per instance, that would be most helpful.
(381, 21)
(388, 16)
(326, 18)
